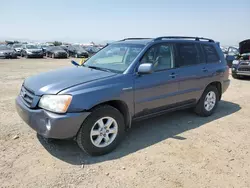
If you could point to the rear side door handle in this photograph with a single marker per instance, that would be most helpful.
(173, 75)
(204, 69)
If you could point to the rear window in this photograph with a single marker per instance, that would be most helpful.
(210, 54)
(188, 54)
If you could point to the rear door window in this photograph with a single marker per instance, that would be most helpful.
(210, 53)
(188, 54)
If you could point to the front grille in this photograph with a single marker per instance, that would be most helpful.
(244, 69)
(245, 63)
(61, 53)
(27, 96)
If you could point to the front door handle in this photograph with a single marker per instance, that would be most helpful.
(173, 75)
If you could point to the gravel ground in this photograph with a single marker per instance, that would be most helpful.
(174, 150)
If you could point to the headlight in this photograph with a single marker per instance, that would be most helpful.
(235, 62)
(55, 103)
(29, 52)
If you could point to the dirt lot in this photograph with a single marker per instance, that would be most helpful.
(175, 150)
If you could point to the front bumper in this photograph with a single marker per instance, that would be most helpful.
(8, 55)
(62, 126)
(18, 53)
(35, 55)
(61, 55)
(243, 70)
(83, 55)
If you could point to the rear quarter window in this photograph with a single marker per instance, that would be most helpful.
(211, 54)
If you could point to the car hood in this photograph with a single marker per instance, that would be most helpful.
(34, 50)
(55, 81)
(244, 46)
(59, 51)
(6, 51)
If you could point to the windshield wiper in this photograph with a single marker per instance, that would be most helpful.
(99, 68)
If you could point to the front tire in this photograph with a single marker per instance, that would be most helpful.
(208, 102)
(102, 131)
(53, 56)
(235, 76)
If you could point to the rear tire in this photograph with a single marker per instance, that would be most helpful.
(202, 107)
(88, 141)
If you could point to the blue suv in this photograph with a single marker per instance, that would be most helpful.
(128, 80)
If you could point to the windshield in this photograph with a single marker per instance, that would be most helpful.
(94, 49)
(115, 57)
(32, 47)
(57, 48)
(77, 47)
(17, 45)
(233, 51)
(4, 47)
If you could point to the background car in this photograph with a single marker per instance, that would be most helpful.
(91, 50)
(230, 55)
(56, 52)
(44, 48)
(77, 51)
(241, 64)
(17, 48)
(31, 50)
(7, 52)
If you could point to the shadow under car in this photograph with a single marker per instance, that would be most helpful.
(143, 134)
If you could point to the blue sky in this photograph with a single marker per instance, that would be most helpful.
(81, 20)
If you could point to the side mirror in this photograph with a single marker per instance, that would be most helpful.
(145, 68)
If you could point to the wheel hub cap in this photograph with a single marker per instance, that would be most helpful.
(210, 101)
(104, 132)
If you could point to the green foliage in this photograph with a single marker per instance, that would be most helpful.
(57, 43)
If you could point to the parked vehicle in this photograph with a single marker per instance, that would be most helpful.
(56, 52)
(17, 48)
(241, 64)
(6, 52)
(65, 47)
(31, 50)
(77, 51)
(91, 50)
(44, 48)
(96, 102)
(230, 54)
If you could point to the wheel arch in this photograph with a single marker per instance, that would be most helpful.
(121, 106)
(218, 85)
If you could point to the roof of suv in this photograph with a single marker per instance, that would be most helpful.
(145, 41)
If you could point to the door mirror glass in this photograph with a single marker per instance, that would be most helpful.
(145, 68)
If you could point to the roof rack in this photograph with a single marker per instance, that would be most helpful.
(183, 37)
(134, 39)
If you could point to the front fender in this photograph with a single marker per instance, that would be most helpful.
(86, 96)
